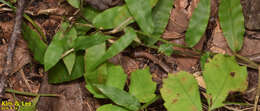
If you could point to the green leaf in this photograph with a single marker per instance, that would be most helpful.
(198, 23)
(116, 77)
(120, 97)
(222, 75)
(153, 2)
(69, 38)
(9, 4)
(232, 23)
(118, 46)
(110, 107)
(99, 75)
(167, 49)
(161, 14)
(74, 3)
(55, 49)
(203, 60)
(59, 73)
(69, 61)
(181, 93)
(113, 18)
(142, 85)
(142, 12)
(84, 42)
(68, 43)
(31, 107)
(89, 13)
(35, 44)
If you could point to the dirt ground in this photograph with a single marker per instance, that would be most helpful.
(29, 76)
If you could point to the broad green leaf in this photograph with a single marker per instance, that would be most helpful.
(232, 23)
(69, 61)
(31, 107)
(35, 44)
(142, 85)
(120, 97)
(161, 14)
(181, 93)
(111, 107)
(141, 10)
(89, 13)
(153, 2)
(84, 42)
(55, 49)
(203, 60)
(68, 43)
(59, 73)
(99, 75)
(167, 49)
(198, 23)
(113, 17)
(69, 38)
(222, 75)
(74, 3)
(118, 46)
(116, 77)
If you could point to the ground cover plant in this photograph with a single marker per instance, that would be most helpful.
(96, 45)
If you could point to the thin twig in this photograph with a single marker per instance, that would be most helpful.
(25, 80)
(257, 91)
(67, 53)
(11, 45)
(117, 29)
(155, 60)
(30, 94)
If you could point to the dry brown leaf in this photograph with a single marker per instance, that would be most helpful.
(21, 56)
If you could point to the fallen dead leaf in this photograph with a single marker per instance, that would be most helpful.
(21, 56)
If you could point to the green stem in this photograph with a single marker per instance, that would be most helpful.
(29, 93)
(28, 19)
(244, 59)
(150, 102)
(165, 41)
(36, 27)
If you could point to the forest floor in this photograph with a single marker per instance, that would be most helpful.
(29, 76)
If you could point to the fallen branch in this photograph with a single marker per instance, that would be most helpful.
(7, 68)
(155, 60)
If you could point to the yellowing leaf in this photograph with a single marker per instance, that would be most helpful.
(181, 93)
(116, 76)
(142, 86)
(222, 75)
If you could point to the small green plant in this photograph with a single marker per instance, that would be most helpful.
(73, 54)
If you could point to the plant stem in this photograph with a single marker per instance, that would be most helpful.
(257, 91)
(244, 59)
(165, 41)
(150, 102)
(29, 93)
(67, 53)
(36, 27)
